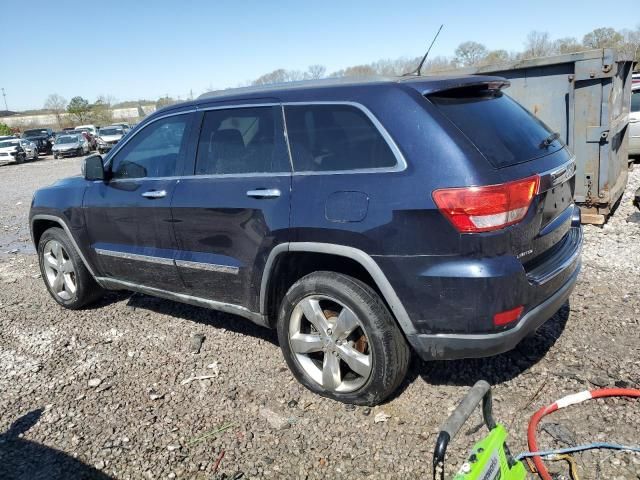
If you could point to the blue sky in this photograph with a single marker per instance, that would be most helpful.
(146, 49)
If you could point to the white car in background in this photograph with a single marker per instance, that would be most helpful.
(93, 130)
(634, 122)
(17, 150)
(108, 137)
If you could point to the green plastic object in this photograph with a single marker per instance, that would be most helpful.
(488, 460)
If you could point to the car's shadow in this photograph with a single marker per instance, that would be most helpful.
(496, 369)
(202, 315)
(22, 459)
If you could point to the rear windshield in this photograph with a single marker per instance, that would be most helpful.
(504, 131)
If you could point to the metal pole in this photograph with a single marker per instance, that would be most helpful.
(5, 99)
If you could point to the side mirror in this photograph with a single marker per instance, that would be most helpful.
(93, 168)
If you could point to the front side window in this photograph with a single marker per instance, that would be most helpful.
(154, 151)
(242, 140)
(333, 138)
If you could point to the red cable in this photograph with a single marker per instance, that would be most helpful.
(562, 403)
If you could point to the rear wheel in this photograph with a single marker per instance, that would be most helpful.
(67, 279)
(340, 340)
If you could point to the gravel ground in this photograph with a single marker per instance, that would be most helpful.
(109, 392)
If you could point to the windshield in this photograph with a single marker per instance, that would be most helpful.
(68, 139)
(8, 144)
(500, 128)
(34, 133)
(111, 131)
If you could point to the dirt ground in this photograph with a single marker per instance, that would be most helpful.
(103, 392)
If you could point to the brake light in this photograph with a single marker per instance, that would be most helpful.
(507, 316)
(483, 209)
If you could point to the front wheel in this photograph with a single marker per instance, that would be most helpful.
(67, 279)
(340, 340)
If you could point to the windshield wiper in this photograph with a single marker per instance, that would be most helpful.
(549, 140)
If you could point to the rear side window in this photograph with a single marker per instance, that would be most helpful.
(333, 138)
(502, 130)
(635, 101)
(242, 140)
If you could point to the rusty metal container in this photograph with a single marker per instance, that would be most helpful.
(586, 98)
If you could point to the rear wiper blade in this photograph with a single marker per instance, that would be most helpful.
(549, 140)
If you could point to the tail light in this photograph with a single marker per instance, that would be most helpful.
(503, 318)
(483, 209)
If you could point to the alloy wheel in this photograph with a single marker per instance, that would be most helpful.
(330, 344)
(59, 270)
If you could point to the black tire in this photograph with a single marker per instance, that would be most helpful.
(55, 156)
(387, 347)
(20, 159)
(87, 290)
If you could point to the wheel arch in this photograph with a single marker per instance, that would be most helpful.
(41, 222)
(357, 256)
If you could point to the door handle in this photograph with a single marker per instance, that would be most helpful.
(264, 193)
(155, 194)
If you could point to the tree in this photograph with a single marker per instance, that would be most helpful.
(537, 44)
(101, 110)
(470, 53)
(496, 56)
(566, 45)
(56, 104)
(5, 129)
(355, 71)
(79, 109)
(315, 72)
(164, 101)
(602, 38)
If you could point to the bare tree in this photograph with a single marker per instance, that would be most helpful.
(356, 71)
(315, 72)
(602, 38)
(566, 45)
(470, 53)
(537, 44)
(496, 56)
(56, 104)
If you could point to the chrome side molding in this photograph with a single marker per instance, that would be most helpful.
(113, 284)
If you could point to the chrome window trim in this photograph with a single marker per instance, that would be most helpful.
(401, 162)
(134, 256)
(210, 267)
(364, 259)
(400, 166)
(114, 284)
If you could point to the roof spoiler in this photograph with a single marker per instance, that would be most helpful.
(432, 85)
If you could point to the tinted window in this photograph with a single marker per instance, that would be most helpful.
(335, 137)
(504, 131)
(154, 151)
(635, 101)
(242, 140)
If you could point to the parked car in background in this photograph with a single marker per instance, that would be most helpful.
(42, 137)
(125, 126)
(635, 79)
(90, 128)
(11, 150)
(634, 122)
(361, 219)
(71, 146)
(93, 142)
(30, 148)
(108, 137)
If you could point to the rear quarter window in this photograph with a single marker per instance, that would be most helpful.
(635, 101)
(335, 138)
(500, 128)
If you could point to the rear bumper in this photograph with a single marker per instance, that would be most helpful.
(457, 346)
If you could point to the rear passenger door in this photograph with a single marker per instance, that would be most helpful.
(234, 208)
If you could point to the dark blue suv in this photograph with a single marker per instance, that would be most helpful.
(362, 219)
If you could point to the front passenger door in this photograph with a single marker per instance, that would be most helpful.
(128, 217)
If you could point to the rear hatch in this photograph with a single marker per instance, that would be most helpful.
(516, 145)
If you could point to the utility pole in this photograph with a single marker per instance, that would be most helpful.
(5, 99)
